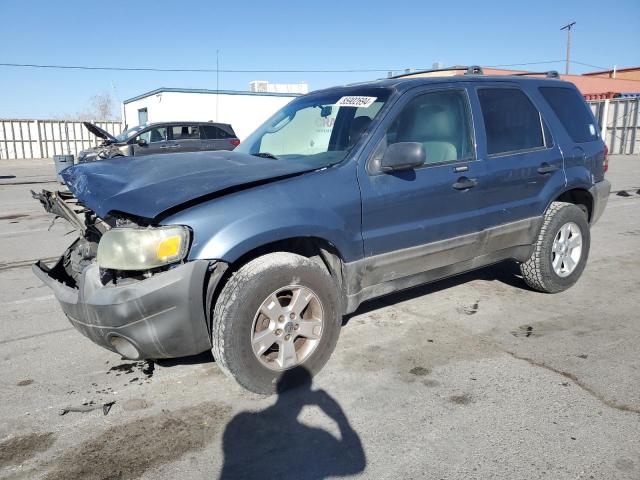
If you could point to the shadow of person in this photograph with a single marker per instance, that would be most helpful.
(272, 443)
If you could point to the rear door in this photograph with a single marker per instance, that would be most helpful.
(217, 137)
(524, 162)
(428, 217)
(184, 138)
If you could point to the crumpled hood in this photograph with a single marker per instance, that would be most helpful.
(99, 132)
(148, 186)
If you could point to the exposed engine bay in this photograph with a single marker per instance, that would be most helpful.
(90, 228)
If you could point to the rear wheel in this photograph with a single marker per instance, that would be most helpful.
(276, 313)
(561, 251)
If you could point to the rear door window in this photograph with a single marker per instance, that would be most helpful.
(185, 132)
(572, 112)
(511, 122)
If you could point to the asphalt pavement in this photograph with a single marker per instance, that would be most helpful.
(473, 377)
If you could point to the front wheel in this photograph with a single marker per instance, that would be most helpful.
(561, 251)
(277, 312)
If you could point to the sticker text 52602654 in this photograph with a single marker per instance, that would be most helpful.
(354, 101)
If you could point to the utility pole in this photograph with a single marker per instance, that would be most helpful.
(217, 81)
(567, 27)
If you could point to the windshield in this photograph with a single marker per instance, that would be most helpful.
(319, 129)
(127, 134)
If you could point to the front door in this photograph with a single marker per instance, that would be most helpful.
(428, 217)
(156, 141)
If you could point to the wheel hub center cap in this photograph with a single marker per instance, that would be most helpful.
(288, 327)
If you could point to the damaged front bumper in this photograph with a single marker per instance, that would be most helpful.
(162, 316)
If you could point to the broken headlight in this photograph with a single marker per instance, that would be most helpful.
(142, 248)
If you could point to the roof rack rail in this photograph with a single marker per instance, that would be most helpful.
(470, 70)
(548, 74)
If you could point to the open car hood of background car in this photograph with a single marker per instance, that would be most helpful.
(150, 185)
(98, 132)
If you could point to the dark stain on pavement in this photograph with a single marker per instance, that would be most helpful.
(24, 383)
(470, 309)
(600, 397)
(523, 331)
(419, 371)
(13, 217)
(16, 450)
(146, 367)
(128, 450)
(463, 399)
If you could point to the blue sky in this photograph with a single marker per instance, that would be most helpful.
(285, 35)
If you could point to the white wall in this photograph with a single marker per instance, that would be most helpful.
(244, 112)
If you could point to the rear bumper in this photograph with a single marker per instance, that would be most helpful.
(160, 317)
(600, 194)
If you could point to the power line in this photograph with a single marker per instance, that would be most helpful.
(214, 70)
(189, 70)
(523, 64)
(589, 65)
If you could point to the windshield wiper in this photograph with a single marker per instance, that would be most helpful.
(265, 155)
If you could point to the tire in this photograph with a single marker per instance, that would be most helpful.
(235, 318)
(539, 271)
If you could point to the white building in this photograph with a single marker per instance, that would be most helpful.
(264, 86)
(245, 111)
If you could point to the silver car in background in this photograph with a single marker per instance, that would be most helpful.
(161, 137)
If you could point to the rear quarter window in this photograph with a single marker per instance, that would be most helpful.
(573, 113)
(213, 132)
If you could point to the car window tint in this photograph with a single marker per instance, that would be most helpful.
(158, 134)
(185, 132)
(572, 112)
(438, 120)
(511, 121)
(212, 132)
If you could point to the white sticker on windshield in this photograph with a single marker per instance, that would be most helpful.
(592, 130)
(353, 101)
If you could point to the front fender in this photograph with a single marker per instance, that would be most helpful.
(323, 204)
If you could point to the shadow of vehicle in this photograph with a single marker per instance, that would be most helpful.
(272, 443)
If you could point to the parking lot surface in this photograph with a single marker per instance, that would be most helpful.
(471, 377)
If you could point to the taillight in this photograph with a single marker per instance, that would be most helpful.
(235, 142)
(606, 159)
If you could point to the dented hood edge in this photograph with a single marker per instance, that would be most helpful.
(152, 187)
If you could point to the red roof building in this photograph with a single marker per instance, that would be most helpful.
(593, 86)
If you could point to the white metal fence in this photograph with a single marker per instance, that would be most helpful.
(46, 138)
(619, 119)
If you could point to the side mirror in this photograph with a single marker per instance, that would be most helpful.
(142, 142)
(403, 156)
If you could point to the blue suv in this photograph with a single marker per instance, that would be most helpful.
(344, 195)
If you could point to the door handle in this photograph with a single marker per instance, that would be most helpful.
(545, 168)
(164, 146)
(465, 183)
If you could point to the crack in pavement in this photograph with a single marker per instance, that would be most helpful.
(609, 403)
